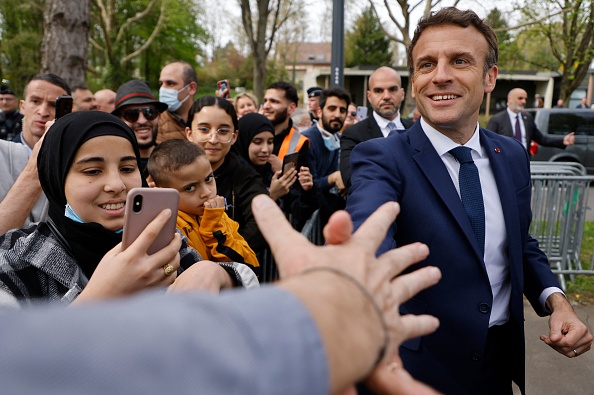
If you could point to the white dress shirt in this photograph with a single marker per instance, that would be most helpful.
(512, 117)
(495, 256)
(383, 123)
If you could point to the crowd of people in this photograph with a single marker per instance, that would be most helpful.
(371, 311)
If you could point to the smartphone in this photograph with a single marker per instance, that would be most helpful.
(223, 86)
(290, 162)
(63, 105)
(361, 113)
(142, 207)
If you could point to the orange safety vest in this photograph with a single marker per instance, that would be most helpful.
(292, 143)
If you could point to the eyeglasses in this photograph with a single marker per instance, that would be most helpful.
(132, 114)
(223, 135)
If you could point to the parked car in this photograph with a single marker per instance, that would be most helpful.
(561, 121)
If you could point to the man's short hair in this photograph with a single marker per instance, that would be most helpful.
(188, 72)
(456, 17)
(52, 79)
(290, 90)
(169, 156)
(338, 92)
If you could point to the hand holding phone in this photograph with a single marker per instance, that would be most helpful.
(142, 206)
(224, 89)
(290, 162)
(361, 113)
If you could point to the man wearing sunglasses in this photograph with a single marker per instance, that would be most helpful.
(139, 109)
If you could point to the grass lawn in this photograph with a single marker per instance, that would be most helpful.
(582, 289)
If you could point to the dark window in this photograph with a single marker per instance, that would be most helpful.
(563, 123)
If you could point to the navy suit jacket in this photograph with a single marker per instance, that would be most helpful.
(501, 124)
(407, 169)
(361, 131)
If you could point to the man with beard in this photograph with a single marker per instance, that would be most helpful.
(139, 109)
(325, 147)
(385, 95)
(280, 102)
(515, 122)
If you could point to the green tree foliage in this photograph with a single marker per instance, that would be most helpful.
(229, 64)
(135, 38)
(21, 30)
(566, 29)
(366, 43)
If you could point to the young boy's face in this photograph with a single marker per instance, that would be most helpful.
(196, 184)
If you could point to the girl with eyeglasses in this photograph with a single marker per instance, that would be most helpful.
(213, 125)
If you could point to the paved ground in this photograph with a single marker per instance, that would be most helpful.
(547, 371)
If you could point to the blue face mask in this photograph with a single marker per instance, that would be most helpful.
(169, 97)
(331, 142)
(69, 213)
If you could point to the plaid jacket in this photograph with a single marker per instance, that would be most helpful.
(34, 265)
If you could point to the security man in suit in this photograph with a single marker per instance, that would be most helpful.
(385, 95)
(515, 122)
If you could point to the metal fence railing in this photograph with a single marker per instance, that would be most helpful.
(559, 205)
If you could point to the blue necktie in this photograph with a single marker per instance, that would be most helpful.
(471, 193)
(392, 128)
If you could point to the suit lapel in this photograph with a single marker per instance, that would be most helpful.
(373, 128)
(436, 173)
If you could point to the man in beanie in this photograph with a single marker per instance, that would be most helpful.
(313, 102)
(139, 109)
(10, 116)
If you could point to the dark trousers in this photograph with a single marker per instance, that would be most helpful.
(496, 373)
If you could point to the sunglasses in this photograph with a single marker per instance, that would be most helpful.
(132, 114)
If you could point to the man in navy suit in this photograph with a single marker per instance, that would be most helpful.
(479, 346)
(385, 94)
(515, 122)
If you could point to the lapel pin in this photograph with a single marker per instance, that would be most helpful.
(497, 150)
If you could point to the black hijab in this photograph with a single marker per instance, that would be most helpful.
(86, 242)
(250, 125)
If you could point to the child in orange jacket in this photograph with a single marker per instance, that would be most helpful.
(184, 166)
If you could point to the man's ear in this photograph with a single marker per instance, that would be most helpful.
(319, 111)
(291, 108)
(193, 87)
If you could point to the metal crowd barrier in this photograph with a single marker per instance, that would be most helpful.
(557, 168)
(312, 230)
(559, 204)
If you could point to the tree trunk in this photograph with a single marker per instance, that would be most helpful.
(65, 41)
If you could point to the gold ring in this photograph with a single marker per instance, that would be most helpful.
(575, 352)
(168, 269)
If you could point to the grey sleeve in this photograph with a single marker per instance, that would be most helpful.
(241, 342)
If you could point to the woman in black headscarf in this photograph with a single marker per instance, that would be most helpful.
(254, 144)
(87, 164)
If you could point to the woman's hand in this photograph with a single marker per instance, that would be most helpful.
(124, 272)
(281, 185)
